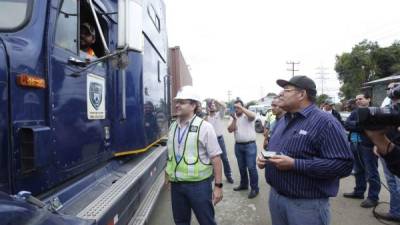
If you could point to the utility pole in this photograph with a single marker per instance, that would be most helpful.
(322, 77)
(292, 69)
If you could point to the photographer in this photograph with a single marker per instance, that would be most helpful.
(365, 161)
(387, 146)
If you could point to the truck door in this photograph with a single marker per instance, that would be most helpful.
(80, 123)
(4, 121)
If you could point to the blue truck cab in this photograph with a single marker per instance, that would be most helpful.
(84, 134)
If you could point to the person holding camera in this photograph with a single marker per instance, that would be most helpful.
(242, 125)
(386, 141)
(216, 111)
(365, 161)
(312, 154)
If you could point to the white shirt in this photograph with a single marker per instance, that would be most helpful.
(245, 131)
(216, 122)
(208, 143)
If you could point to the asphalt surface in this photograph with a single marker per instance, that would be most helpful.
(237, 209)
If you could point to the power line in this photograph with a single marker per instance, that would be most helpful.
(292, 69)
(322, 77)
(229, 95)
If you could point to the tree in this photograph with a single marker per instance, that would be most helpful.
(366, 62)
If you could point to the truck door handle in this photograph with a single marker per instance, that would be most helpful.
(77, 62)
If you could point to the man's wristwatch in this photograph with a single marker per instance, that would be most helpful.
(220, 185)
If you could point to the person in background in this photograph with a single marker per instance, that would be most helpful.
(242, 125)
(277, 113)
(329, 108)
(365, 161)
(216, 112)
(88, 38)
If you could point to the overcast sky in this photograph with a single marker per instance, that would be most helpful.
(243, 46)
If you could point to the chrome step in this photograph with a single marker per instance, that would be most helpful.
(142, 214)
(97, 209)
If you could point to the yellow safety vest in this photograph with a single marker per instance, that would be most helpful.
(189, 167)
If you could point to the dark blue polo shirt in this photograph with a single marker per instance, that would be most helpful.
(318, 143)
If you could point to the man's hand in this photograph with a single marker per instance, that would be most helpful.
(261, 161)
(167, 183)
(282, 162)
(217, 195)
(238, 105)
(380, 140)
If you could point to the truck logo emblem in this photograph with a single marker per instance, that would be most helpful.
(95, 94)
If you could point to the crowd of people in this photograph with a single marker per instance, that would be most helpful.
(311, 153)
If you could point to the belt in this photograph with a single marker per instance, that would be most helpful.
(219, 137)
(193, 182)
(245, 143)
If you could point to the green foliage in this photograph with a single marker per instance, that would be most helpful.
(366, 62)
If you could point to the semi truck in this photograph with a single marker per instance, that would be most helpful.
(82, 137)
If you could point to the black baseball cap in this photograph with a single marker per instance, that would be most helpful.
(302, 82)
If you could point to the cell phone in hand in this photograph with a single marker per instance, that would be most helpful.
(269, 154)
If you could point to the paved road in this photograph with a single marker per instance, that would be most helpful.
(237, 209)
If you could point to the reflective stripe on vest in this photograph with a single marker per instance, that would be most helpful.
(189, 167)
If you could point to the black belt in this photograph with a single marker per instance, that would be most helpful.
(245, 143)
(193, 182)
(219, 137)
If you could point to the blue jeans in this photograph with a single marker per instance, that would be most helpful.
(393, 184)
(366, 169)
(246, 157)
(196, 196)
(224, 158)
(292, 211)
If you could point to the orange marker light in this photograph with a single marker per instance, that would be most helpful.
(27, 80)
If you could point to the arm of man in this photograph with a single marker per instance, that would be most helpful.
(250, 115)
(214, 152)
(351, 122)
(232, 125)
(335, 159)
(389, 151)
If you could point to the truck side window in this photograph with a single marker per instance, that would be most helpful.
(67, 26)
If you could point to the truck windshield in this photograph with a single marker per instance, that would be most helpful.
(13, 13)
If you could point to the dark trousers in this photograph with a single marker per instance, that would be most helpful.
(224, 158)
(246, 155)
(366, 170)
(196, 196)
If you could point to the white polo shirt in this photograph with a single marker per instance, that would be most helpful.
(216, 122)
(208, 143)
(245, 131)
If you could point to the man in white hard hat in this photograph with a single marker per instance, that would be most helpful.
(193, 162)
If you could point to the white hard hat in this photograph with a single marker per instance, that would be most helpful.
(187, 92)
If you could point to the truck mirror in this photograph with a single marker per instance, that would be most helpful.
(130, 25)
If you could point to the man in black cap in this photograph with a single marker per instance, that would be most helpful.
(312, 154)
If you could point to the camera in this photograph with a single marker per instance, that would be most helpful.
(375, 118)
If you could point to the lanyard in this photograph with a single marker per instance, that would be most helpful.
(180, 136)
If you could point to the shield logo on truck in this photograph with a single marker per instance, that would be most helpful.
(95, 94)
